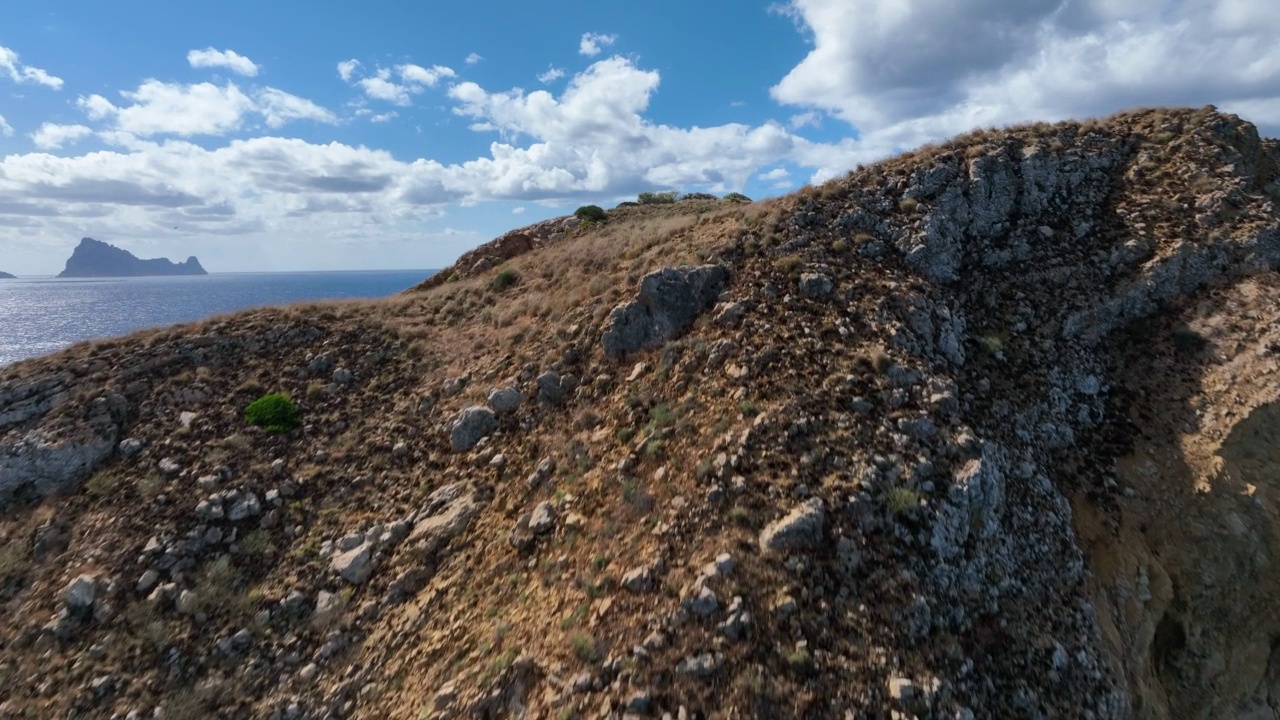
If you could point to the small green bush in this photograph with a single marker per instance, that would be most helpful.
(628, 203)
(657, 198)
(698, 196)
(591, 213)
(275, 413)
(505, 278)
(737, 197)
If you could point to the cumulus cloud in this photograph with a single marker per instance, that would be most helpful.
(226, 59)
(590, 140)
(593, 44)
(52, 136)
(551, 75)
(20, 73)
(347, 68)
(396, 85)
(5, 128)
(279, 107)
(975, 62)
(473, 58)
(160, 108)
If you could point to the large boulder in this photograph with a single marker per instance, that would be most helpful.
(800, 529)
(668, 302)
(470, 427)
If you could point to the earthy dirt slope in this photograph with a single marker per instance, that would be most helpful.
(979, 431)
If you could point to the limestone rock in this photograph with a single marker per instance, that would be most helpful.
(668, 302)
(355, 565)
(80, 594)
(815, 285)
(800, 529)
(471, 425)
(505, 400)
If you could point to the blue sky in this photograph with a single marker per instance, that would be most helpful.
(318, 135)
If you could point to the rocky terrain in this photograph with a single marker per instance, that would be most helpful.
(987, 430)
(94, 258)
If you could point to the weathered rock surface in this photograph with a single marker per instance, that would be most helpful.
(470, 427)
(668, 302)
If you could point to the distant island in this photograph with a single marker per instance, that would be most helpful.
(94, 258)
(7, 276)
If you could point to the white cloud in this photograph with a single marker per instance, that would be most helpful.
(551, 75)
(593, 43)
(279, 107)
(384, 117)
(427, 77)
(980, 63)
(347, 68)
(5, 128)
(20, 73)
(518, 210)
(473, 58)
(159, 108)
(228, 59)
(51, 136)
(811, 118)
(382, 85)
(775, 174)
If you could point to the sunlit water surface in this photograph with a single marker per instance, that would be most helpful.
(41, 315)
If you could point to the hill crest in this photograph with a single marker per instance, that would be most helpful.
(977, 431)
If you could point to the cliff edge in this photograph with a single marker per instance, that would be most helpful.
(94, 258)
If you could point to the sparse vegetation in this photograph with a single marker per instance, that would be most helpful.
(591, 213)
(15, 562)
(103, 483)
(584, 647)
(657, 198)
(901, 499)
(737, 197)
(506, 277)
(274, 413)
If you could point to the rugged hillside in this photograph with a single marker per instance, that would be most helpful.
(985, 430)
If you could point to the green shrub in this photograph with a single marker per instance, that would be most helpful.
(505, 278)
(628, 203)
(698, 196)
(275, 413)
(657, 198)
(737, 197)
(584, 646)
(901, 499)
(591, 213)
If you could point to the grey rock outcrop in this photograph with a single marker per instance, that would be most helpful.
(471, 426)
(49, 460)
(355, 565)
(505, 400)
(668, 302)
(801, 528)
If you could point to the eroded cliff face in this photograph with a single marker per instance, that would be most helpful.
(980, 431)
(1185, 568)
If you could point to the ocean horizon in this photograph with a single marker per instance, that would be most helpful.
(40, 315)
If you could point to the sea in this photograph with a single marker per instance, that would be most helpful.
(42, 315)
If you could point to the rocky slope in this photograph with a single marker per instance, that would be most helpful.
(984, 430)
(6, 276)
(94, 258)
